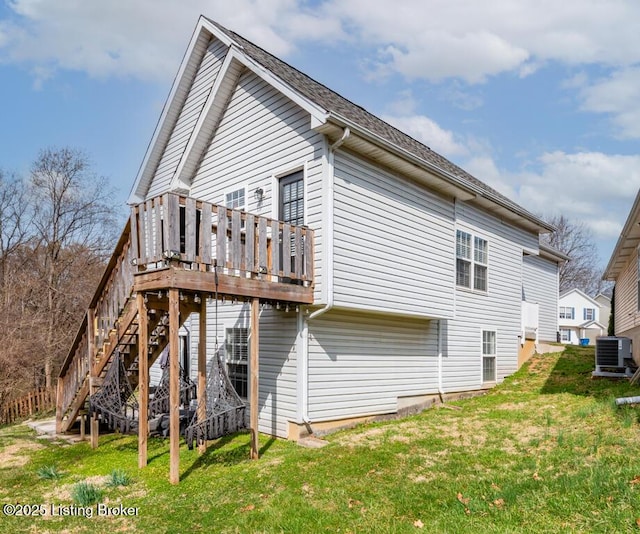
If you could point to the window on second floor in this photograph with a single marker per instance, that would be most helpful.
(472, 260)
(589, 314)
(236, 199)
(567, 312)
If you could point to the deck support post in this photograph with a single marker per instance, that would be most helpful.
(254, 344)
(143, 379)
(94, 425)
(174, 387)
(202, 369)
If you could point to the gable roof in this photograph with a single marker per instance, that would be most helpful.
(582, 294)
(627, 243)
(342, 113)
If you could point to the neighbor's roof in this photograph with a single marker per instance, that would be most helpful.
(627, 243)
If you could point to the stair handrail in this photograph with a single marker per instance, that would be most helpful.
(109, 298)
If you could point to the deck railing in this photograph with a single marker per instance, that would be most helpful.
(176, 230)
(203, 235)
(108, 301)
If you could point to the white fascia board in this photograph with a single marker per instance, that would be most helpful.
(618, 260)
(474, 191)
(163, 127)
(196, 146)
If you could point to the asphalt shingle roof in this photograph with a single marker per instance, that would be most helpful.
(332, 102)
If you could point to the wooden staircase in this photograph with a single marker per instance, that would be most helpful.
(177, 242)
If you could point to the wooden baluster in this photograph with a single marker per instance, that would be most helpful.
(205, 235)
(236, 230)
(249, 244)
(190, 230)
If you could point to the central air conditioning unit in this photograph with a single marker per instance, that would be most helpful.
(613, 356)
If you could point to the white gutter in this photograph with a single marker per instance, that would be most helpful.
(303, 324)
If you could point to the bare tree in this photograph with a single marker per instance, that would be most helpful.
(13, 226)
(70, 208)
(576, 241)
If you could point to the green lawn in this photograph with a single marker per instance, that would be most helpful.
(547, 451)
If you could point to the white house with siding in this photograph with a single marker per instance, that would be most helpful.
(580, 317)
(427, 281)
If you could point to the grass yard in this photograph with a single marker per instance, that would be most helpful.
(547, 451)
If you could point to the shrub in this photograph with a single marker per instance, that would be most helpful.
(119, 477)
(49, 472)
(85, 494)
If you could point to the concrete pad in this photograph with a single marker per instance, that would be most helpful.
(46, 429)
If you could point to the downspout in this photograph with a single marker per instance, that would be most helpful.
(303, 324)
(328, 237)
(440, 389)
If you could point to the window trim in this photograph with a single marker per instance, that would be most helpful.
(235, 190)
(472, 261)
(593, 314)
(283, 172)
(488, 356)
(562, 312)
(228, 361)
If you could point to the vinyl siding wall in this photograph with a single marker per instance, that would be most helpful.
(540, 285)
(498, 309)
(198, 93)
(393, 242)
(360, 364)
(277, 383)
(263, 134)
(627, 297)
(627, 317)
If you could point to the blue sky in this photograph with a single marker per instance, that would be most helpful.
(539, 99)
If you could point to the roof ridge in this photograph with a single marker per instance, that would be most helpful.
(332, 101)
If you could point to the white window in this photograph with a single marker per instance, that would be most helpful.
(567, 312)
(472, 258)
(589, 314)
(236, 348)
(236, 199)
(565, 335)
(489, 356)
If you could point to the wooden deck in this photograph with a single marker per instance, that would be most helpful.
(175, 244)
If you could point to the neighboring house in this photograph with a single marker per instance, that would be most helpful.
(605, 308)
(427, 282)
(580, 317)
(624, 270)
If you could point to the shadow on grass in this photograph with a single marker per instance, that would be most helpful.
(219, 452)
(572, 374)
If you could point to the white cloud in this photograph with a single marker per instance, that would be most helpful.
(619, 96)
(428, 132)
(592, 187)
(144, 39)
(472, 40)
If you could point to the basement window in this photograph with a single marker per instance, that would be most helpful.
(489, 356)
(236, 348)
